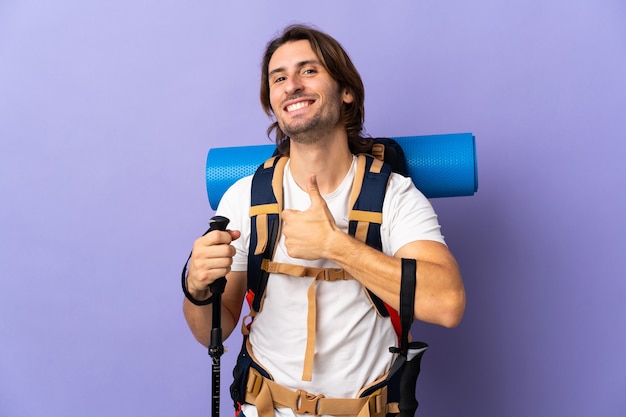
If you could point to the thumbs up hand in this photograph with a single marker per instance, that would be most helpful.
(308, 233)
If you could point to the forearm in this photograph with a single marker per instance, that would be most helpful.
(200, 318)
(439, 295)
(200, 322)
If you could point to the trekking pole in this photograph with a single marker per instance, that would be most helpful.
(216, 348)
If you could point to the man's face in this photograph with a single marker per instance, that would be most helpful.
(305, 99)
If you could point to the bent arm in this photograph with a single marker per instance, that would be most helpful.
(439, 293)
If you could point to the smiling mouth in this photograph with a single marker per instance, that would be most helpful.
(299, 105)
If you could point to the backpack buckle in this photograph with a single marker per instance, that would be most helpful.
(334, 274)
(307, 403)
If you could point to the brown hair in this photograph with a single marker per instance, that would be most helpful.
(341, 69)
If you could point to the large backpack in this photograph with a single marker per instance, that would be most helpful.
(365, 219)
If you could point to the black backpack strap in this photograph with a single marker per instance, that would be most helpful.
(365, 218)
(402, 378)
(368, 194)
(410, 354)
(407, 301)
(390, 151)
(266, 202)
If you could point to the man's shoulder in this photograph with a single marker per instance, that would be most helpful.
(242, 183)
(239, 191)
(399, 182)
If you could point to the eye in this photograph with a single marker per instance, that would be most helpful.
(278, 79)
(309, 71)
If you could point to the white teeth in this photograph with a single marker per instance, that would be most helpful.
(297, 106)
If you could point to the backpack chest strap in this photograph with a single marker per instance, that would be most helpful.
(322, 274)
(319, 274)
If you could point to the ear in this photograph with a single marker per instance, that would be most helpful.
(348, 98)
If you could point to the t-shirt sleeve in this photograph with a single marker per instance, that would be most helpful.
(235, 205)
(408, 216)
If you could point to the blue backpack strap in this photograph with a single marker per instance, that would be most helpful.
(266, 202)
(368, 194)
(366, 215)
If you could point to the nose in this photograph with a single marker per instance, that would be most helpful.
(293, 85)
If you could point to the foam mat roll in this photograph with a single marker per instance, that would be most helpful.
(440, 165)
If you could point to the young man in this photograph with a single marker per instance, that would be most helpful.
(316, 95)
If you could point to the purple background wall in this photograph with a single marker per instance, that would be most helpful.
(107, 110)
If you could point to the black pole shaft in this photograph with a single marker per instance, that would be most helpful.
(216, 348)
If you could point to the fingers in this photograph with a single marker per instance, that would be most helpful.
(217, 237)
(287, 214)
(211, 258)
(214, 249)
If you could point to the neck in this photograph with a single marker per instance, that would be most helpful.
(328, 159)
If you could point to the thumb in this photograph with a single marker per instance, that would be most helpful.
(313, 189)
(234, 234)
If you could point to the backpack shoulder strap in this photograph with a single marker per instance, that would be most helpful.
(366, 217)
(366, 200)
(266, 202)
(390, 151)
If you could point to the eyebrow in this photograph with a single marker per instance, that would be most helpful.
(298, 65)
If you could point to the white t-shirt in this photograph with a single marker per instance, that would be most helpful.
(352, 339)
